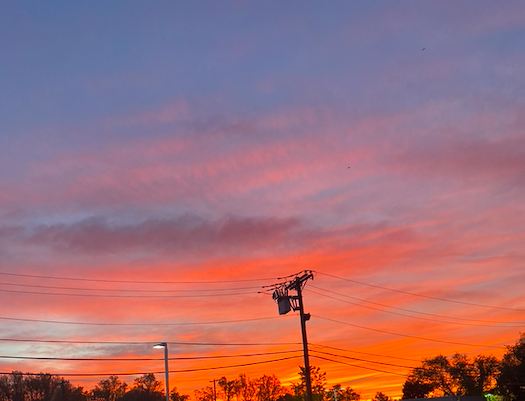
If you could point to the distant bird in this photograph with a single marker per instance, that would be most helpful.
(423, 48)
(349, 166)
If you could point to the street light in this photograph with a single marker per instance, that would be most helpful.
(166, 372)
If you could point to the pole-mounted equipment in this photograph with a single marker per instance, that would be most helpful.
(286, 303)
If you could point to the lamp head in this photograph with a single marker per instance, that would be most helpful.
(160, 345)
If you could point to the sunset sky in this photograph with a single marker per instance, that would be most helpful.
(162, 162)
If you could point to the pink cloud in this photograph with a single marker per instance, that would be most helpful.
(496, 161)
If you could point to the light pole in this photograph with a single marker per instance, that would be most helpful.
(166, 371)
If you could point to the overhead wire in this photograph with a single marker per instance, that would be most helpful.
(138, 281)
(367, 353)
(358, 366)
(136, 324)
(421, 295)
(362, 360)
(412, 311)
(122, 296)
(125, 289)
(252, 280)
(43, 358)
(190, 343)
(170, 371)
(364, 353)
(231, 321)
(406, 335)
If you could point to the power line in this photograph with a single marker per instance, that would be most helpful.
(358, 366)
(413, 311)
(136, 281)
(406, 335)
(362, 360)
(124, 296)
(405, 315)
(24, 340)
(43, 358)
(124, 289)
(365, 353)
(422, 295)
(235, 366)
(171, 371)
(135, 324)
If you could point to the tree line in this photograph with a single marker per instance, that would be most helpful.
(18, 386)
(436, 376)
(477, 376)
(269, 388)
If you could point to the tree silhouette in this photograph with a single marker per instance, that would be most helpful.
(68, 392)
(317, 379)
(205, 394)
(265, 388)
(176, 396)
(17, 386)
(229, 387)
(246, 388)
(342, 394)
(486, 370)
(459, 375)
(381, 397)
(40, 387)
(145, 388)
(112, 389)
(269, 388)
(511, 380)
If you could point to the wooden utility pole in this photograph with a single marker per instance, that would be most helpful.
(286, 303)
(304, 318)
(214, 390)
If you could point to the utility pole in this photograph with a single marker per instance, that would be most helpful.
(304, 318)
(286, 303)
(214, 390)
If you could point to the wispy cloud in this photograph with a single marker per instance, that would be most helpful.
(185, 234)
